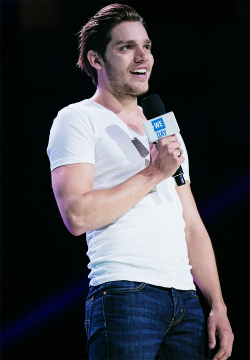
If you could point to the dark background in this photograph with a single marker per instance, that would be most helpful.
(201, 73)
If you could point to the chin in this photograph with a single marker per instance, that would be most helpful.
(142, 90)
(138, 87)
(129, 90)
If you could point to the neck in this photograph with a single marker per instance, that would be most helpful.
(117, 104)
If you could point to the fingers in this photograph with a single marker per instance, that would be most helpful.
(171, 143)
(218, 325)
(168, 140)
(165, 156)
(226, 345)
(211, 337)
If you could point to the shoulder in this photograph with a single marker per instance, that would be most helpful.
(76, 114)
(88, 110)
(72, 122)
(81, 108)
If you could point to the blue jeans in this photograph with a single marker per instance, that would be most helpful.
(127, 320)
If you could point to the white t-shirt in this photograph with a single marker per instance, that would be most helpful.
(147, 244)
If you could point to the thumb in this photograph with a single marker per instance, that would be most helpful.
(211, 333)
(211, 342)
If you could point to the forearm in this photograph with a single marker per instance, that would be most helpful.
(83, 209)
(98, 208)
(204, 269)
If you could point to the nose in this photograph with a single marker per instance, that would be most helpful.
(141, 55)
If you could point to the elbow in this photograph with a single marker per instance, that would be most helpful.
(76, 232)
(75, 225)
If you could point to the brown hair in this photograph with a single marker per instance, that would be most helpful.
(96, 34)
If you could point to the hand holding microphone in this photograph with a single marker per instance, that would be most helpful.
(165, 155)
(161, 128)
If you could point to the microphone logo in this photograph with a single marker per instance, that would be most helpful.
(159, 127)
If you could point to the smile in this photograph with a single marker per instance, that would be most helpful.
(141, 73)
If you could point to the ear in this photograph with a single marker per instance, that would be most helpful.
(94, 59)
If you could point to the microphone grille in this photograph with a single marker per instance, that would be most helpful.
(152, 106)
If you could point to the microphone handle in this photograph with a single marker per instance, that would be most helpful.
(179, 178)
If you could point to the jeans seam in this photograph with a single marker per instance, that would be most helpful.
(88, 321)
(178, 320)
(89, 300)
(174, 322)
(192, 295)
(140, 287)
(160, 355)
(105, 324)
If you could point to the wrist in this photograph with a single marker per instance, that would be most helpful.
(219, 306)
(153, 173)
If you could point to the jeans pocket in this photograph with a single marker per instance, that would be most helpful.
(88, 311)
(193, 294)
(123, 286)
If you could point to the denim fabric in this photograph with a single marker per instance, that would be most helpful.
(127, 320)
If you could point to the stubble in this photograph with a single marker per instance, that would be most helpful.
(121, 89)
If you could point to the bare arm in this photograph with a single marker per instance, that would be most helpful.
(83, 209)
(205, 273)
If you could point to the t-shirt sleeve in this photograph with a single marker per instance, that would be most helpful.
(185, 164)
(71, 140)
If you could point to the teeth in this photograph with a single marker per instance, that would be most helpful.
(142, 71)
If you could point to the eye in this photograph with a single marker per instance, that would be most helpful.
(126, 47)
(148, 47)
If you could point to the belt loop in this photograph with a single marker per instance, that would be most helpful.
(174, 293)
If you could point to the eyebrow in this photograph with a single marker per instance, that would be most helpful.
(147, 41)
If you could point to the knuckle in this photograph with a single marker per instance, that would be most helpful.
(168, 147)
(166, 139)
(173, 137)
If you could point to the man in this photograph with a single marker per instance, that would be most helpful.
(146, 241)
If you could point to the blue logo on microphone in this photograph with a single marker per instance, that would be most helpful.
(159, 126)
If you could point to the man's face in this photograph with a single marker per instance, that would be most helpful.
(129, 60)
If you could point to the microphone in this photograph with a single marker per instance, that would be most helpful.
(160, 124)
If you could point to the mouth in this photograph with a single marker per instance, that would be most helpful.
(140, 73)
